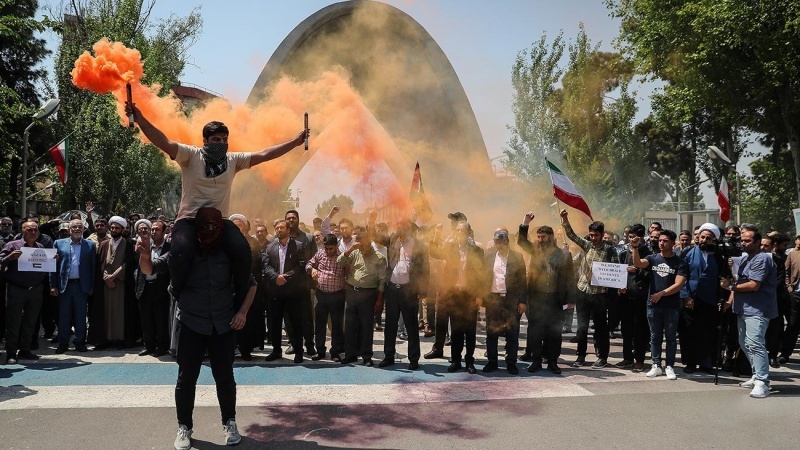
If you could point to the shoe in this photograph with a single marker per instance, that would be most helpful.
(654, 372)
(311, 351)
(386, 362)
(434, 354)
(773, 362)
(579, 362)
(54, 340)
(760, 390)
(146, 352)
(421, 325)
(490, 367)
(512, 368)
(670, 373)
(727, 364)
(290, 350)
(61, 349)
(11, 360)
(566, 330)
(428, 332)
(82, 348)
(749, 384)
(318, 356)
(378, 327)
(413, 365)
(553, 367)
(274, 356)
(599, 364)
(403, 336)
(100, 347)
(535, 366)
(527, 357)
(454, 367)
(573, 340)
(232, 436)
(638, 366)
(624, 364)
(184, 439)
(298, 358)
(708, 370)
(26, 354)
(348, 360)
(367, 362)
(783, 360)
(471, 369)
(245, 356)
(447, 342)
(336, 358)
(691, 368)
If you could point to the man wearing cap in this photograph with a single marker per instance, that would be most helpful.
(329, 281)
(152, 291)
(505, 298)
(114, 257)
(72, 283)
(700, 298)
(23, 295)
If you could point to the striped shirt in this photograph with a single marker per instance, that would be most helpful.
(331, 274)
(601, 253)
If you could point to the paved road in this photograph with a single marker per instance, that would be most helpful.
(121, 400)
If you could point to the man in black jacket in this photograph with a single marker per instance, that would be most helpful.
(548, 275)
(284, 270)
(505, 298)
(633, 307)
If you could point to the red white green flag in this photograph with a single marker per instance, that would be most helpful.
(564, 190)
(60, 154)
(724, 200)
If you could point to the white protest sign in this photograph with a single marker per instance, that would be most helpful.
(37, 260)
(609, 275)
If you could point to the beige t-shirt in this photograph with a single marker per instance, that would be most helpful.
(199, 191)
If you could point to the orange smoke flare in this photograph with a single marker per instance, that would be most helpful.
(109, 70)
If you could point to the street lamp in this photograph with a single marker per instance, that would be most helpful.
(48, 109)
(714, 152)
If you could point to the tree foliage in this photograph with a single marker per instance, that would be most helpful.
(344, 202)
(107, 163)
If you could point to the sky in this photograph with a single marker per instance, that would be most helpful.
(480, 38)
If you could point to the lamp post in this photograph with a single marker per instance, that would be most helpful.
(657, 175)
(48, 109)
(714, 152)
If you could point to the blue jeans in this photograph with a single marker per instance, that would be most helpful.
(72, 313)
(752, 339)
(663, 322)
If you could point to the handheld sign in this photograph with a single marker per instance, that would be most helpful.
(609, 275)
(37, 260)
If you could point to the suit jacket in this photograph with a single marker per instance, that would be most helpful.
(420, 271)
(548, 273)
(293, 266)
(516, 282)
(163, 278)
(452, 262)
(86, 265)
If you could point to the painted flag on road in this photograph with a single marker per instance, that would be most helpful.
(419, 201)
(60, 154)
(724, 200)
(564, 190)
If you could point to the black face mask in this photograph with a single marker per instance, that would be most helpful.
(216, 159)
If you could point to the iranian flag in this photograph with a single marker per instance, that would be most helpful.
(60, 154)
(564, 190)
(724, 200)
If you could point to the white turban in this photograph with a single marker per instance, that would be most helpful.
(709, 227)
(142, 221)
(118, 220)
(240, 217)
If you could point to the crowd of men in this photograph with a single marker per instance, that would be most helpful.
(338, 278)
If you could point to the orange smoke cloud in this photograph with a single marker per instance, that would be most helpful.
(341, 124)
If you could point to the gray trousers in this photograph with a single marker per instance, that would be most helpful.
(22, 310)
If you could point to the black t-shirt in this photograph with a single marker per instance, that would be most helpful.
(662, 275)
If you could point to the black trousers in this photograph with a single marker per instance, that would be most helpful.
(401, 301)
(304, 327)
(22, 311)
(697, 332)
(192, 349)
(634, 326)
(252, 335)
(154, 313)
(329, 305)
(285, 306)
(358, 315)
(544, 327)
(501, 320)
(596, 307)
(775, 329)
(184, 247)
(443, 311)
(792, 327)
(463, 312)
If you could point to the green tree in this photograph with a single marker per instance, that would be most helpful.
(345, 204)
(21, 52)
(770, 194)
(108, 163)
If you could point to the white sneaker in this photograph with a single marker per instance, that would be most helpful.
(654, 372)
(670, 373)
(184, 439)
(232, 436)
(760, 390)
(749, 384)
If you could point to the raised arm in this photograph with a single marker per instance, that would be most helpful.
(276, 151)
(522, 237)
(152, 133)
(581, 242)
(638, 262)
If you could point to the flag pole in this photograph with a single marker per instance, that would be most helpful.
(48, 148)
